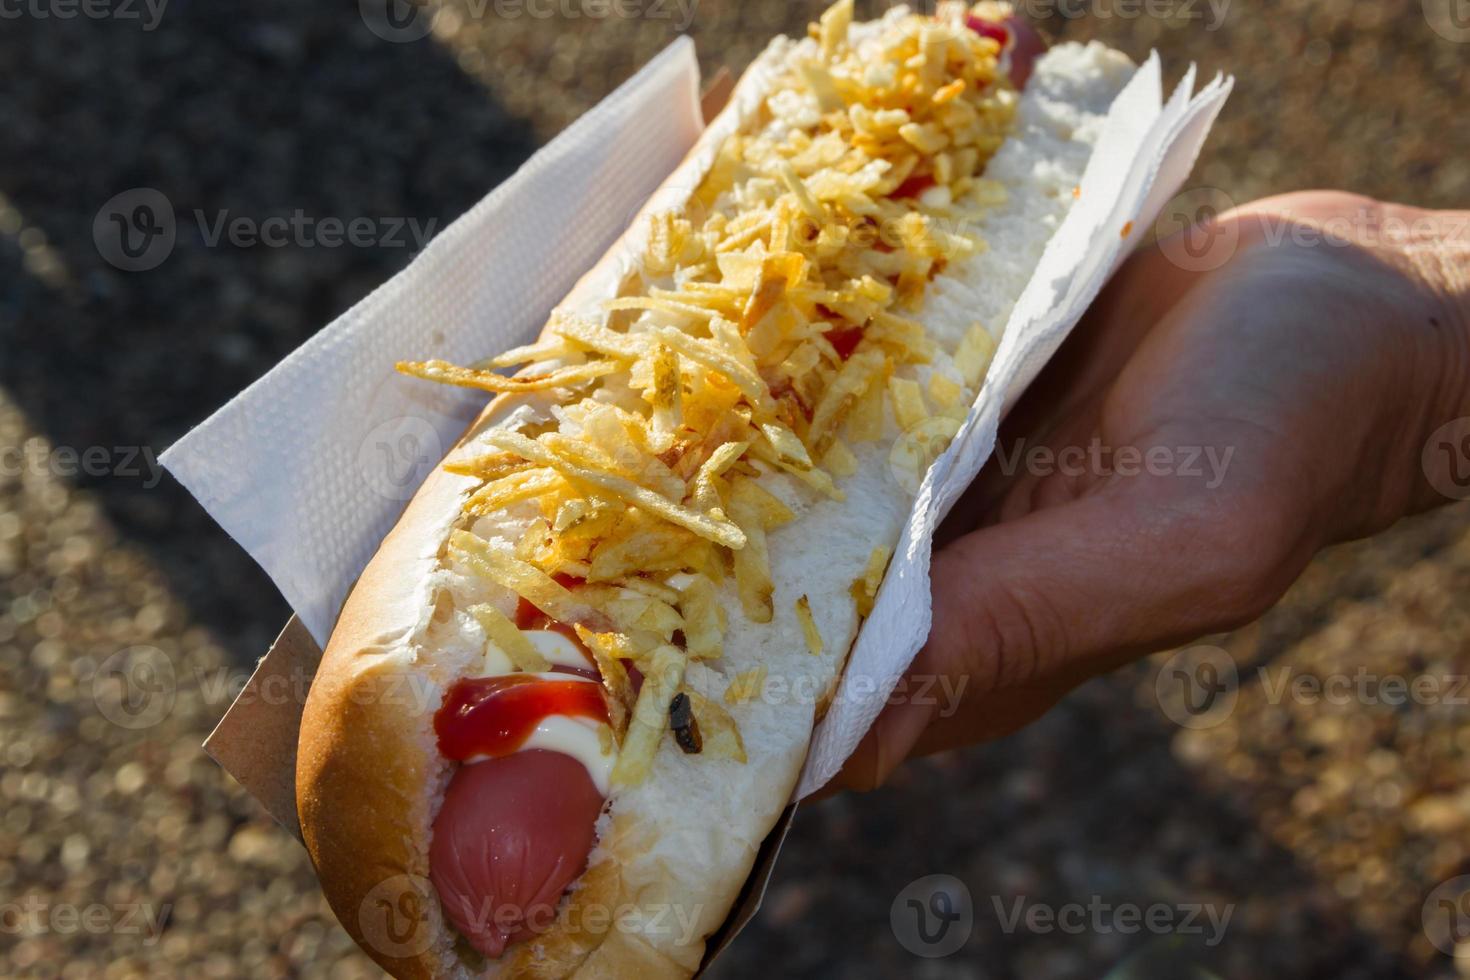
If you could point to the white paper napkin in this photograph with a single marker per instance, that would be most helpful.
(1145, 153)
(310, 467)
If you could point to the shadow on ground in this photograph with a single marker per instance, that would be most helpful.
(229, 111)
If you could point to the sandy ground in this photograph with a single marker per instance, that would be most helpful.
(1319, 829)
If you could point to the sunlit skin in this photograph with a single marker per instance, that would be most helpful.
(1323, 368)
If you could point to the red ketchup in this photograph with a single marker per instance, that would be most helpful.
(914, 186)
(844, 340)
(988, 28)
(515, 829)
(495, 715)
(1015, 37)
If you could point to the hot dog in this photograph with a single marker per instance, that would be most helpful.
(686, 493)
(543, 783)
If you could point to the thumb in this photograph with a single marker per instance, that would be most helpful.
(1026, 610)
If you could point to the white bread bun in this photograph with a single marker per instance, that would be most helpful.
(673, 851)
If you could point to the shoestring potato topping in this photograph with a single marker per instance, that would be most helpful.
(761, 336)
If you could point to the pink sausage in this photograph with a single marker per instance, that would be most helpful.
(512, 834)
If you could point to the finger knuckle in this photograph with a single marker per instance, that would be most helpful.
(1009, 634)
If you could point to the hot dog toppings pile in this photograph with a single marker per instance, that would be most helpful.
(766, 331)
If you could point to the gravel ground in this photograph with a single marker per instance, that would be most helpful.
(124, 851)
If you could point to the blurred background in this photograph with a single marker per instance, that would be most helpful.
(1310, 839)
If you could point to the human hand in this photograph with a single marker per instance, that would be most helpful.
(1208, 432)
